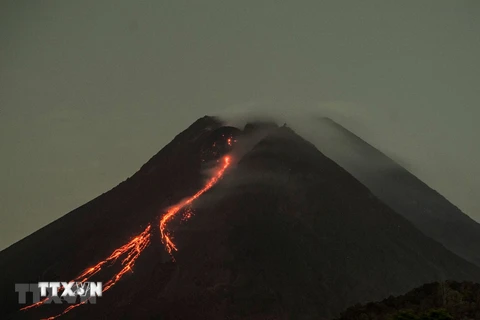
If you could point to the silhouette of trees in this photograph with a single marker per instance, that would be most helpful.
(434, 314)
(446, 300)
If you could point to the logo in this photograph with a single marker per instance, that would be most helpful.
(59, 292)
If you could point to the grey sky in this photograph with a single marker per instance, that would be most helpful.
(90, 90)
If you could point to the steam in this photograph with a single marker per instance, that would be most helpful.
(313, 123)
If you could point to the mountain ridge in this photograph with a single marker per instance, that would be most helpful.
(430, 211)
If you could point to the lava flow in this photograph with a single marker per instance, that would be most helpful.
(132, 250)
(166, 237)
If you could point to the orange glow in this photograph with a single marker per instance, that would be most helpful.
(187, 214)
(166, 236)
(34, 305)
(132, 250)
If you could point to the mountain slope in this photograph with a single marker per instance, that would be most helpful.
(80, 238)
(406, 194)
(286, 233)
(296, 235)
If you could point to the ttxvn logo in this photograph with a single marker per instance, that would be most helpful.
(59, 292)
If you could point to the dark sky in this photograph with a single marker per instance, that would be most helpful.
(90, 90)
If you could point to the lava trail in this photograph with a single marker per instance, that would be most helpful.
(130, 250)
(133, 249)
(166, 236)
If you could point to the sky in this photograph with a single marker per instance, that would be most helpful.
(90, 90)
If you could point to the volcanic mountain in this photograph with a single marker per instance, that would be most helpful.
(229, 223)
(428, 210)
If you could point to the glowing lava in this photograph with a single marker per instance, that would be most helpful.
(133, 249)
(166, 237)
(130, 250)
(187, 214)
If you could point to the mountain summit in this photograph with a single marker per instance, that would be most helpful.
(228, 223)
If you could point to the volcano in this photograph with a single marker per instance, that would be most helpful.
(229, 223)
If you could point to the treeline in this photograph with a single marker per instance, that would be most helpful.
(434, 301)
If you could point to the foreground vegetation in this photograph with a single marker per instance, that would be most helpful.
(434, 301)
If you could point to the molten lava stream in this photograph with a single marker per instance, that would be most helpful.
(135, 247)
(132, 250)
(166, 237)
